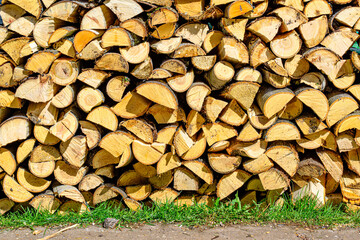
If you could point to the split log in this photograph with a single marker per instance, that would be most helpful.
(231, 182)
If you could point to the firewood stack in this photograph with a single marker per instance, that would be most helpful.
(185, 101)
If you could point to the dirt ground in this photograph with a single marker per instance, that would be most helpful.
(170, 232)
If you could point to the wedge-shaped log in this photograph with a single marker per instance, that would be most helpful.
(231, 182)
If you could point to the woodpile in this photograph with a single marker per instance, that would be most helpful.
(135, 101)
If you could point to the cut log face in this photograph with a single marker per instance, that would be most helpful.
(231, 182)
(74, 151)
(7, 161)
(46, 202)
(196, 94)
(286, 45)
(272, 101)
(274, 179)
(185, 180)
(285, 155)
(201, 170)
(332, 162)
(116, 142)
(282, 130)
(66, 127)
(314, 99)
(258, 165)
(243, 92)
(317, 8)
(266, 28)
(151, 90)
(90, 181)
(15, 191)
(116, 37)
(222, 163)
(314, 31)
(68, 175)
(291, 18)
(146, 153)
(341, 105)
(104, 117)
(30, 182)
(39, 89)
(14, 129)
(167, 162)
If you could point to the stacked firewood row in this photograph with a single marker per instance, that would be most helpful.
(187, 101)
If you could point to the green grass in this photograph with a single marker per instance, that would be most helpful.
(303, 212)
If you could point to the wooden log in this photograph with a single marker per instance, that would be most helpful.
(243, 92)
(237, 8)
(272, 100)
(42, 113)
(248, 74)
(130, 178)
(196, 94)
(222, 163)
(238, 55)
(66, 127)
(212, 40)
(341, 104)
(166, 115)
(329, 62)
(31, 182)
(68, 175)
(220, 74)
(197, 150)
(292, 110)
(193, 32)
(13, 129)
(64, 97)
(317, 8)
(15, 191)
(201, 170)
(47, 202)
(332, 162)
(258, 165)
(167, 195)
(266, 27)
(24, 149)
(7, 161)
(69, 192)
(149, 89)
(282, 130)
(167, 162)
(181, 83)
(10, 12)
(89, 182)
(234, 27)
(273, 179)
(314, 31)
(146, 153)
(215, 132)
(116, 36)
(291, 18)
(161, 181)
(257, 118)
(38, 89)
(320, 107)
(231, 182)
(112, 61)
(286, 45)
(285, 155)
(116, 142)
(146, 171)
(185, 180)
